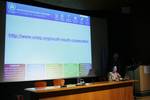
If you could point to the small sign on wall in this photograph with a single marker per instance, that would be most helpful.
(146, 69)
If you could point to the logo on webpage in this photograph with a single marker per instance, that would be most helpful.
(11, 6)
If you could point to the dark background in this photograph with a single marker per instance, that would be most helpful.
(127, 31)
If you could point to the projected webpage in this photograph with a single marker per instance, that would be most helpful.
(45, 44)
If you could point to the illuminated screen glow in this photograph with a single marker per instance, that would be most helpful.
(43, 44)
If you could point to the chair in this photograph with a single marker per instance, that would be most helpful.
(58, 82)
(40, 84)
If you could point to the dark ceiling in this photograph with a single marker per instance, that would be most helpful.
(136, 7)
(106, 5)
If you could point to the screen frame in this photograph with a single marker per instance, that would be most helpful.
(43, 5)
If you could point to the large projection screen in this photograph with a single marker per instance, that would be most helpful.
(42, 43)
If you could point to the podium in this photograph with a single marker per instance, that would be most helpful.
(121, 90)
(142, 73)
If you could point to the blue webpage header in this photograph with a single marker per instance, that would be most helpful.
(49, 14)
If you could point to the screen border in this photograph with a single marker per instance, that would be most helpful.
(43, 5)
